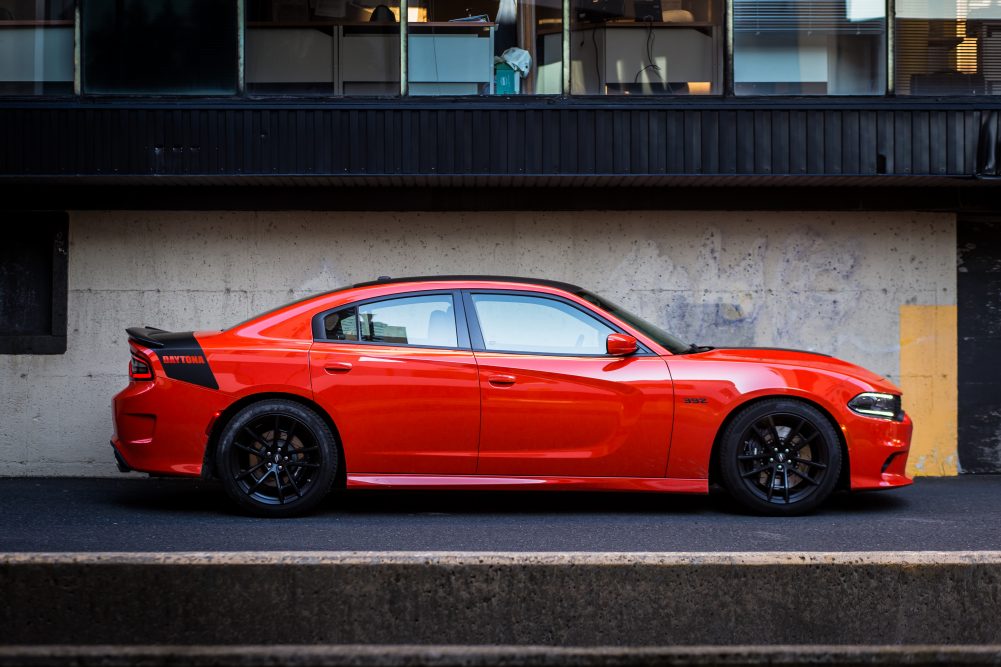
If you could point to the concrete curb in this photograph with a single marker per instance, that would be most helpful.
(513, 599)
(484, 656)
(517, 558)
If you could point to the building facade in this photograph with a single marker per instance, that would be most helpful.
(818, 174)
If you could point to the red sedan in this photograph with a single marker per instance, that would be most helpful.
(497, 383)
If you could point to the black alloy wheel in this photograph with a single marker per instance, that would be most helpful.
(780, 457)
(277, 458)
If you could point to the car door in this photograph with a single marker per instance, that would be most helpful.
(398, 378)
(554, 403)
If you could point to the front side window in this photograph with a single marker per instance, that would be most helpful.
(948, 47)
(809, 47)
(514, 323)
(417, 320)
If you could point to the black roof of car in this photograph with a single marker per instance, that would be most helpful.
(384, 280)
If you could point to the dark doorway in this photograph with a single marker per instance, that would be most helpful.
(978, 287)
(33, 288)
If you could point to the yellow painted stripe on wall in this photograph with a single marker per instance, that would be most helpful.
(928, 379)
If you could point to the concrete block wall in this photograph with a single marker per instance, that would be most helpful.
(831, 282)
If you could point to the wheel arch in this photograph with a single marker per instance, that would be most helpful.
(208, 460)
(844, 476)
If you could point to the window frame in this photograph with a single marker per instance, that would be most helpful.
(889, 20)
(55, 339)
(476, 332)
(725, 47)
(461, 325)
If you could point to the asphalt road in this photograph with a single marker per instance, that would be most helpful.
(951, 514)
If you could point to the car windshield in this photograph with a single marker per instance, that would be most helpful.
(672, 343)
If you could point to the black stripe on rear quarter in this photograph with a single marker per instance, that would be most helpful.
(183, 359)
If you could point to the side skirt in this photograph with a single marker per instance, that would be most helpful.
(496, 483)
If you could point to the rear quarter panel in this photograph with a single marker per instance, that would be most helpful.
(245, 366)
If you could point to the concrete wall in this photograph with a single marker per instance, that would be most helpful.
(832, 282)
(506, 599)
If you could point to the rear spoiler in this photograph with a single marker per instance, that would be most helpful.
(146, 335)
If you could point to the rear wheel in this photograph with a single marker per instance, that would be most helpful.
(780, 457)
(277, 458)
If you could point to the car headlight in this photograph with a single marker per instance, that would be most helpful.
(871, 404)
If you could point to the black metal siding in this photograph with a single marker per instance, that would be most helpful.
(979, 298)
(471, 142)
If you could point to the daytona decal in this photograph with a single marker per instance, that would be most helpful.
(183, 359)
(175, 359)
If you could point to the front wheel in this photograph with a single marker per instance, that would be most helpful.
(277, 458)
(780, 457)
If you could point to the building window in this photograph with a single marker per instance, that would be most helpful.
(36, 47)
(323, 47)
(33, 260)
(165, 47)
(642, 47)
(485, 47)
(948, 47)
(809, 47)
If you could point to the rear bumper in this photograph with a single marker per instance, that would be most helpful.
(162, 426)
(122, 465)
(877, 451)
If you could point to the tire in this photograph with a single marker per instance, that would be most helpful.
(277, 458)
(780, 457)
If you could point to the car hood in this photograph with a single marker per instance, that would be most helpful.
(802, 358)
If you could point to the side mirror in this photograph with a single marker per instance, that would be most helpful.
(620, 344)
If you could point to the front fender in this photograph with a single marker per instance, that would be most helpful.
(707, 391)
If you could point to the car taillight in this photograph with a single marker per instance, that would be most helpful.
(139, 367)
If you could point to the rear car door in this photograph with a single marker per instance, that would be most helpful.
(399, 379)
(554, 403)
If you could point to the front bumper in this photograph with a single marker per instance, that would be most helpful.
(877, 451)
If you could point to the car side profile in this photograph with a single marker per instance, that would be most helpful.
(497, 383)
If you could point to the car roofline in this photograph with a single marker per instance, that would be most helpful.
(567, 287)
(466, 278)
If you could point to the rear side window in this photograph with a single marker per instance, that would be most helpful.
(511, 323)
(341, 324)
(417, 320)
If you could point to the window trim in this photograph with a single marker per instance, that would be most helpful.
(53, 341)
(461, 325)
(476, 333)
